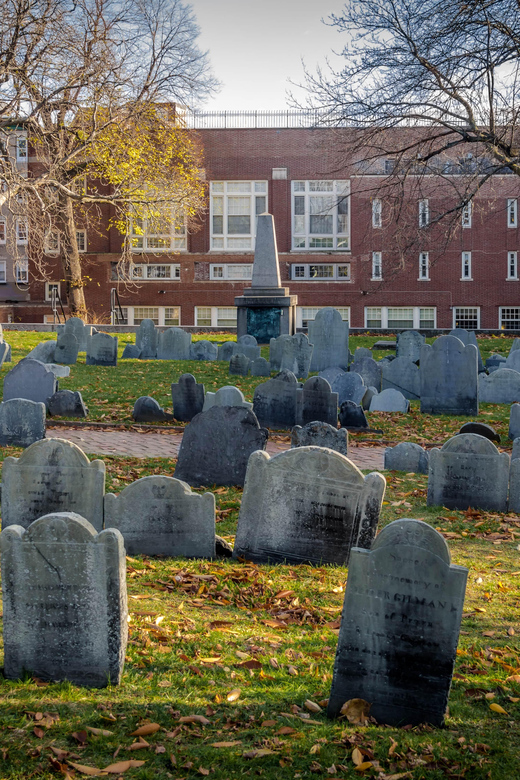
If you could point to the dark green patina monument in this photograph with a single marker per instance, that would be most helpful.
(266, 310)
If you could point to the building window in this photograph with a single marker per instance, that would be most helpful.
(22, 271)
(81, 240)
(22, 231)
(321, 272)
(399, 318)
(172, 316)
(320, 214)
(512, 213)
(373, 317)
(467, 317)
(169, 316)
(157, 234)
(467, 214)
(426, 317)
(466, 267)
(424, 267)
(306, 314)
(21, 149)
(509, 318)
(3, 272)
(49, 287)
(377, 266)
(51, 244)
(216, 316)
(234, 207)
(377, 213)
(2, 231)
(512, 265)
(154, 272)
(231, 272)
(424, 213)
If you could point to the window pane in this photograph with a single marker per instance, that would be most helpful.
(373, 318)
(427, 318)
(260, 205)
(239, 225)
(321, 243)
(239, 186)
(299, 204)
(239, 271)
(298, 272)
(320, 186)
(218, 224)
(217, 272)
(321, 271)
(510, 318)
(400, 318)
(146, 313)
(172, 315)
(203, 315)
(343, 271)
(321, 224)
(260, 186)
(466, 317)
(227, 317)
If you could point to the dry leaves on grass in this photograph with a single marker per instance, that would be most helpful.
(356, 711)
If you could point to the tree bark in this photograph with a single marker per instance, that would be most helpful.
(71, 262)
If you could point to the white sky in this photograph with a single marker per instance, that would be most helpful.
(256, 46)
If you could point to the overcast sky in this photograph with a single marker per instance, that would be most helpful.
(256, 46)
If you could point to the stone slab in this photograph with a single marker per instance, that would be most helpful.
(407, 456)
(67, 403)
(449, 372)
(30, 379)
(22, 422)
(320, 434)
(187, 398)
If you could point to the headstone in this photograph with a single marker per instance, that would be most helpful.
(66, 403)
(329, 335)
(52, 475)
(320, 434)
(146, 340)
(306, 505)
(147, 409)
(370, 392)
(101, 350)
(500, 387)
(468, 337)
(67, 349)
(274, 401)
(514, 479)
(203, 350)
(315, 401)
(331, 374)
(260, 367)
(390, 401)
(400, 626)
(402, 374)
(296, 355)
(351, 415)
(77, 327)
(22, 422)
(5, 351)
(409, 345)
(513, 360)
(514, 456)
(482, 429)
(370, 371)
(514, 421)
(225, 351)
(515, 345)
(187, 398)
(173, 344)
(276, 351)
(246, 345)
(29, 379)
(131, 352)
(495, 361)
(65, 604)
(58, 371)
(382, 345)
(239, 365)
(449, 377)
(349, 387)
(362, 352)
(226, 396)
(44, 352)
(407, 456)
(217, 444)
(468, 471)
(161, 516)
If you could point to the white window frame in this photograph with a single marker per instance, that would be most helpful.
(22, 231)
(424, 267)
(143, 272)
(227, 271)
(302, 272)
(51, 245)
(129, 311)
(467, 214)
(304, 314)
(377, 213)
(465, 271)
(459, 308)
(383, 315)
(377, 266)
(512, 212)
(143, 241)
(216, 316)
(48, 286)
(22, 151)
(81, 240)
(501, 311)
(424, 212)
(3, 272)
(222, 194)
(512, 266)
(21, 270)
(337, 192)
(3, 231)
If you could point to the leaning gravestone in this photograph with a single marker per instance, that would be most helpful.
(29, 379)
(44, 352)
(66, 403)
(400, 626)
(146, 340)
(351, 415)
(58, 371)
(226, 396)
(369, 370)
(513, 360)
(320, 434)
(449, 377)
(349, 387)
(173, 344)
(203, 350)
(316, 401)
(101, 350)
(52, 475)
(306, 505)
(402, 374)
(370, 392)
(514, 421)
(468, 471)
(500, 387)
(260, 367)
(276, 351)
(22, 422)
(65, 606)
(329, 335)
(67, 349)
(296, 355)
(407, 456)
(409, 345)
(131, 351)
(389, 401)
(274, 401)
(187, 398)
(217, 444)
(147, 409)
(77, 327)
(161, 516)
(239, 364)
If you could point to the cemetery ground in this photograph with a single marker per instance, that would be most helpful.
(229, 664)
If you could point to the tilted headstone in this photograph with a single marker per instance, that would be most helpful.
(173, 344)
(370, 392)
(101, 350)
(203, 350)
(482, 429)
(513, 360)
(495, 362)
(409, 344)
(316, 401)
(65, 604)
(147, 409)
(500, 387)
(77, 327)
(146, 339)
(131, 352)
(239, 364)
(5, 353)
(329, 335)
(226, 350)
(246, 345)
(161, 516)
(449, 377)
(67, 349)
(217, 444)
(469, 337)
(389, 401)
(274, 401)
(67, 403)
(349, 387)
(276, 351)
(22, 422)
(296, 355)
(514, 421)
(351, 415)
(187, 398)
(407, 456)
(402, 374)
(226, 396)
(52, 475)
(306, 505)
(44, 352)
(260, 367)
(320, 434)
(29, 379)
(58, 371)
(400, 626)
(468, 471)
(370, 371)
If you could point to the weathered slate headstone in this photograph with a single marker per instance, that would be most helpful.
(296, 355)
(173, 344)
(65, 605)
(495, 362)
(329, 335)
(402, 374)
(514, 421)
(226, 396)
(468, 471)
(500, 387)
(276, 351)
(331, 374)
(315, 401)
(409, 344)
(306, 505)
(469, 337)
(131, 352)
(482, 429)
(246, 345)
(147, 409)
(349, 386)
(161, 516)
(203, 350)
(351, 415)
(52, 475)
(44, 352)
(239, 364)
(29, 379)
(58, 371)
(407, 456)
(362, 352)
(370, 392)
(146, 339)
(5, 353)
(67, 349)
(225, 351)
(449, 377)
(187, 398)
(320, 434)
(389, 400)
(101, 350)
(515, 454)
(217, 444)
(370, 371)
(22, 422)
(77, 327)
(513, 360)
(274, 401)
(66, 403)
(515, 345)
(400, 626)
(260, 367)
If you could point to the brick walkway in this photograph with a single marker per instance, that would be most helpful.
(166, 445)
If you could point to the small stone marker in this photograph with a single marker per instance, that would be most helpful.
(329, 335)
(52, 475)
(274, 401)
(173, 344)
(370, 392)
(29, 379)
(101, 350)
(226, 350)
(44, 352)
(351, 415)
(349, 387)
(161, 516)
(65, 604)
(407, 456)
(306, 505)
(316, 401)
(77, 327)
(382, 345)
(203, 350)
(409, 345)
(362, 352)
(514, 421)
(320, 434)
(226, 396)
(246, 345)
(389, 401)
(147, 409)
(260, 367)
(400, 626)
(515, 345)
(66, 403)
(239, 364)
(67, 348)
(22, 422)
(370, 371)
(402, 374)
(449, 377)
(468, 471)
(131, 352)
(187, 398)
(276, 351)
(500, 387)
(217, 444)
(495, 361)
(482, 429)
(146, 339)
(296, 355)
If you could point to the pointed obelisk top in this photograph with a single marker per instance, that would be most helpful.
(266, 271)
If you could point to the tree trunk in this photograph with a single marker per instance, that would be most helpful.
(71, 262)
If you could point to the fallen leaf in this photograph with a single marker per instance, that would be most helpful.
(293, 671)
(39, 732)
(142, 743)
(284, 730)
(363, 767)
(312, 706)
(194, 719)
(233, 695)
(99, 732)
(251, 664)
(497, 708)
(164, 684)
(203, 771)
(357, 756)
(122, 766)
(267, 723)
(226, 744)
(258, 753)
(143, 731)
(86, 770)
(356, 710)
